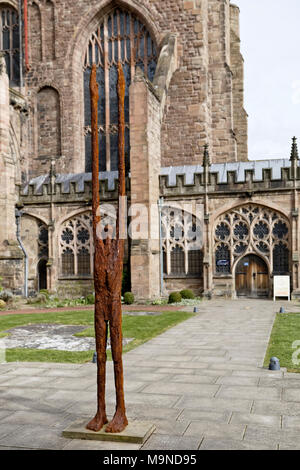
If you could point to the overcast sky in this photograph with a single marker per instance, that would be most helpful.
(270, 42)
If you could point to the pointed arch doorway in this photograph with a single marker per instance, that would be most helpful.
(252, 277)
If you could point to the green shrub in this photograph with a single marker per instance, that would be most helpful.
(2, 304)
(175, 298)
(45, 293)
(128, 298)
(187, 294)
(90, 299)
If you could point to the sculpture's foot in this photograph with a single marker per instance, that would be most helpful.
(118, 423)
(97, 423)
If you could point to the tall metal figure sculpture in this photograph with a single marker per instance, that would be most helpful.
(108, 269)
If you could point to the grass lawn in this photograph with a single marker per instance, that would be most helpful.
(141, 328)
(285, 331)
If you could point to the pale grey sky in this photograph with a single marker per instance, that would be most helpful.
(270, 43)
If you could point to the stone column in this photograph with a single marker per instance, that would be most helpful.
(145, 128)
(11, 256)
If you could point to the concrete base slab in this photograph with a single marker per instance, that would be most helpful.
(137, 432)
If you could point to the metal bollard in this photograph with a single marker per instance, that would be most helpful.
(274, 363)
(196, 310)
(94, 361)
(282, 310)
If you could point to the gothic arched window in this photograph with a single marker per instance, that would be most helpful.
(182, 243)
(252, 229)
(10, 42)
(119, 36)
(76, 246)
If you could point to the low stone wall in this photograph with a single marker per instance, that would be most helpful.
(74, 288)
(177, 284)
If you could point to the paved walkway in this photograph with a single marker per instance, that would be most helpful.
(201, 383)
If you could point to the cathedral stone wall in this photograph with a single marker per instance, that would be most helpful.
(199, 104)
(187, 133)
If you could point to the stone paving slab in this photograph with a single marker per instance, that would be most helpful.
(158, 442)
(202, 383)
(215, 430)
(230, 444)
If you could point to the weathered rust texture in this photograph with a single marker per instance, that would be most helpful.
(108, 269)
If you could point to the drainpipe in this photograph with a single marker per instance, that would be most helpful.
(18, 220)
(160, 203)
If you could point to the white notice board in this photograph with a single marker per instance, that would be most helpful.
(281, 286)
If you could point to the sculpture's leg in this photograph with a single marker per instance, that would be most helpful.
(119, 421)
(100, 419)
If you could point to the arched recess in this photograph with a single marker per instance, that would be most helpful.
(251, 229)
(252, 276)
(48, 124)
(35, 237)
(35, 32)
(122, 36)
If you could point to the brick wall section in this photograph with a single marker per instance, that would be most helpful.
(34, 19)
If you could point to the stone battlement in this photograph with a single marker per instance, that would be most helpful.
(188, 179)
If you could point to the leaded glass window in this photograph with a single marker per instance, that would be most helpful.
(10, 43)
(223, 259)
(281, 256)
(177, 260)
(67, 259)
(120, 36)
(195, 262)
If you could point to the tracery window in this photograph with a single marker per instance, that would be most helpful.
(249, 229)
(10, 42)
(76, 246)
(182, 243)
(119, 36)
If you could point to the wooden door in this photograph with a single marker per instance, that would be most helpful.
(252, 277)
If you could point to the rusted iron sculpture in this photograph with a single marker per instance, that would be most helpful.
(108, 269)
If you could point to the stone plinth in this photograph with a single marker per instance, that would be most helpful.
(137, 432)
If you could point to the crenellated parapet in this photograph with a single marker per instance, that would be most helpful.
(68, 188)
(228, 177)
(188, 180)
